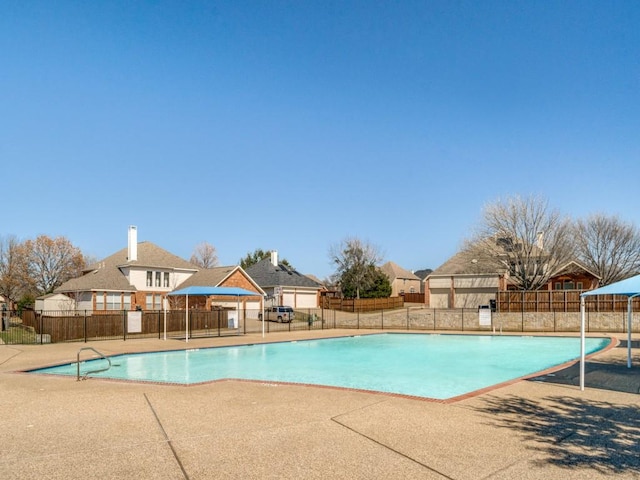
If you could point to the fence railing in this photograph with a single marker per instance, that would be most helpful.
(43, 327)
(362, 304)
(55, 326)
(560, 301)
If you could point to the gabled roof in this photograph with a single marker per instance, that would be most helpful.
(209, 276)
(395, 271)
(572, 267)
(107, 274)
(214, 277)
(466, 262)
(267, 275)
(473, 261)
(151, 255)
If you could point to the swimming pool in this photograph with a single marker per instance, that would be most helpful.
(422, 365)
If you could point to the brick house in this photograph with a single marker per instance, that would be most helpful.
(140, 276)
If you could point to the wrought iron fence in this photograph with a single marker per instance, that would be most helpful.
(31, 327)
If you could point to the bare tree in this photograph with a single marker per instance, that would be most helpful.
(204, 255)
(12, 276)
(355, 262)
(525, 238)
(50, 262)
(608, 246)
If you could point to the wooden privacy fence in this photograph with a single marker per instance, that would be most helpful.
(413, 297)
(362, 304)
(84, 326)
(560, 301)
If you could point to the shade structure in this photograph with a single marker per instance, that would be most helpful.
(208, 291)
(629, 288)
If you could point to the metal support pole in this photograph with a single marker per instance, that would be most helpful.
(582, 343)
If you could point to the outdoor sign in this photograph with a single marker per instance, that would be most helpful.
(134, 322)
(484, 314)
(232, 319)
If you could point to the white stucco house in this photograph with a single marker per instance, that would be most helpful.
(55, 302)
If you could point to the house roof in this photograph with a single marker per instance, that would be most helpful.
(215, 276)
(209, 276)
(465, 262)
(315, 279)
(107, 274)
(267, 275)
(51, 295)
(574, 266)
(395, 271)
(473, 261)
(424, 273)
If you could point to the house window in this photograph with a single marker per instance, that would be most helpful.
(99, 300)
(114, 301)
(154, 301)
(568, 285)
(126, 301)
(412, 290)
(158, 278)
(149, 279)
(558, 286)
(166, 279)
(579, 286)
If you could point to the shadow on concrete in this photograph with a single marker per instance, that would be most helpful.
(612, 374)
(572, 432)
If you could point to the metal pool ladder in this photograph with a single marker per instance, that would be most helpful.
(84, 377)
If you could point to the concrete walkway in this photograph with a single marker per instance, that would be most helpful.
(544, 428)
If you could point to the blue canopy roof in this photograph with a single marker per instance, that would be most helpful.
(629, 287)
(232, 291)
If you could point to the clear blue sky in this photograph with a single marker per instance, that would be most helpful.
(291, 125)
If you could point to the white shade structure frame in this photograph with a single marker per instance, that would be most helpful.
(629, 288)
(209, 291)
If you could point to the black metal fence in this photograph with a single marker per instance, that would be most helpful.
(40, 327)
(31, 327)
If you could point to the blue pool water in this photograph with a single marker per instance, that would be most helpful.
(424, 365)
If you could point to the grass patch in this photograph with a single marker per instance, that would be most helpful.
(18, 335)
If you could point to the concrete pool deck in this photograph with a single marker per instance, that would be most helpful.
(55, 427)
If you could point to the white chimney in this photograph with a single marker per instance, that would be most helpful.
(133, 244)
(274, 258)
(540, 240)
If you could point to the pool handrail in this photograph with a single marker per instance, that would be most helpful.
(84, 377)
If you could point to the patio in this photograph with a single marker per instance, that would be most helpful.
(544, 428)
